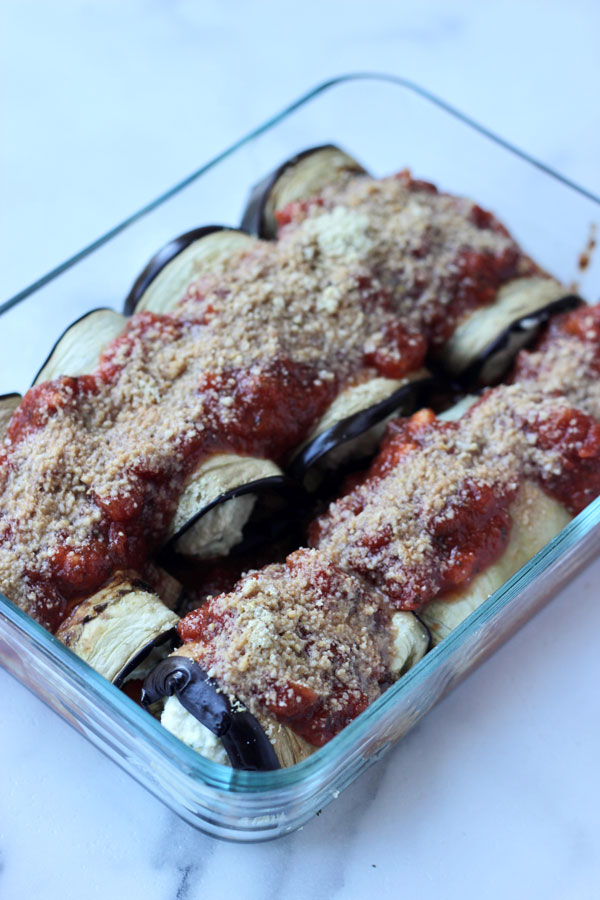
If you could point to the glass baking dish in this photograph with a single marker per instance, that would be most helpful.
(388, 124)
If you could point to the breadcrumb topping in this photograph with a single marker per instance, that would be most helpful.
(432, 512)
(567, 360)
(435, 255)
(300, 640)
(248, 363)
(438, 493)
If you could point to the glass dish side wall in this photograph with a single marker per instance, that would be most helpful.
(388, 126)
(385, 125)
(260, 806)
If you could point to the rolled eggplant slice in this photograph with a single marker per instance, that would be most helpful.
(168, 588)
(410, 641)
(221, 495)
(288, 748)
(165, 279)
(80, 347)
(113, 629)
(356, 420)
(8, 404)
(219, 502)
(146, 659)
(299, 178)
(241, 736)
(535, 519)
(485, 343)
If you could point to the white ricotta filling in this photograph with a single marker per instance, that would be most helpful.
(220, 529)
(176, 719)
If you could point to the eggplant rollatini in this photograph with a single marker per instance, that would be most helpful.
(119, 625)
(228, 271)
(105, 466)
(449, 266)
(453, 506)
(221, 494)
(302, 646)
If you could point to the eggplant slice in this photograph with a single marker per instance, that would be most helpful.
(242, 737)
(536, 518)
(221, 499)
(81, 345)
(411, 640)
(117, 625)
(8, 404)
(192, 722)
(356, 420)
(165, 279)
(485, 343)
(150, 655)
(299, 178)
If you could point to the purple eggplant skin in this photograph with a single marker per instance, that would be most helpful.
(253, 215)
(164, 256)
(170, 638)
(470, 378)
(355, 425)
(275, 484)
(243, 738)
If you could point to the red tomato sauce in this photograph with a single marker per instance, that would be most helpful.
(576, 436)
(310, 716)
(478, 531)
(273, 406)
(317, 717)
(44, 400)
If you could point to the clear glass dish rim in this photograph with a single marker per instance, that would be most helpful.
(173, 751)
(269, 123)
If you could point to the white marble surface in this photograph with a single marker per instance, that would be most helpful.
(496, 792)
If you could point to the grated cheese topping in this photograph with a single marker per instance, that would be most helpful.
(361, 274)
(291, 628)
